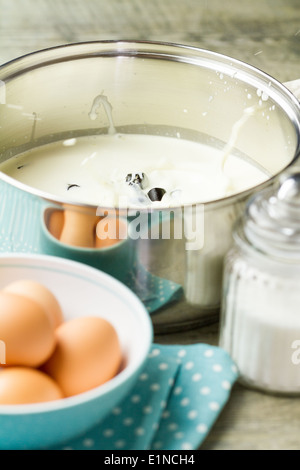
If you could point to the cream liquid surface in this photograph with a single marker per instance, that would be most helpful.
(93, 170)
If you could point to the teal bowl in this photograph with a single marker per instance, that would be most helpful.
(81, 290)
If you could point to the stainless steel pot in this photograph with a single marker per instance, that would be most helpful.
(154, 88)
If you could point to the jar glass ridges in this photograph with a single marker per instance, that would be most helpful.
(260, 318)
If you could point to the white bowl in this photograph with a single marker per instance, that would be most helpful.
(81, 291)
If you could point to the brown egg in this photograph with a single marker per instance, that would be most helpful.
(78, 229)
(56, 223)
(109, 231)
(24, 385)
(87, 354)
(41, 294)
(26, 330)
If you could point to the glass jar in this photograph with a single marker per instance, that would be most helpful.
(260, 313)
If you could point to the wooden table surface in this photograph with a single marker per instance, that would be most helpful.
(265, 34)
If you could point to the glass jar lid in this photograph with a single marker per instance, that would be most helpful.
(271, 222)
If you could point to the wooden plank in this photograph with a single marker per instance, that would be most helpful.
(251, 31)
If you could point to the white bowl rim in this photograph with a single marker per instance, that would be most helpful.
(121, 377)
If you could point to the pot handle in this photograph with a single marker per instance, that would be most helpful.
(294, 87)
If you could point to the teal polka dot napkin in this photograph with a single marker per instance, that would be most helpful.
(153, 291)
(174, 404)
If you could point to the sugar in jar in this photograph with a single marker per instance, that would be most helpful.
(260, 312)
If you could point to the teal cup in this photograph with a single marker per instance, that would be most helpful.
(117, 259)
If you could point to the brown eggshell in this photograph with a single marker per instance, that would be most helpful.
(41, 294)
(26, 330)
(56, 223)
(109, 232)
(24, 385)
(78, 229)
(87, 354)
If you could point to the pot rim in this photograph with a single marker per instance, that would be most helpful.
(164, 50)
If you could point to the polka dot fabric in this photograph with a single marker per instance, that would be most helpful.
(177, 399)
(153, 291)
